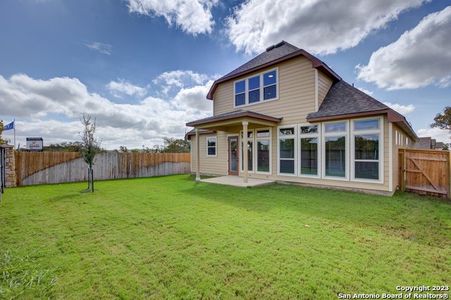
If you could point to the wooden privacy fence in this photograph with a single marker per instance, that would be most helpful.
(58, 167)
(425, 171)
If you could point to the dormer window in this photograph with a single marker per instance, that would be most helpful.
(258, 88)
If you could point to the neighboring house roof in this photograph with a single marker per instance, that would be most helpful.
(345, 101)
(274, 54)
(439, 145)
(423, 143)
(234, 115)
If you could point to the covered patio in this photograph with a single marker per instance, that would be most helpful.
(232, 122)
(237, 181)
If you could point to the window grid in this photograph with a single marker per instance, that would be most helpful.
(211, 146)
(261, 88)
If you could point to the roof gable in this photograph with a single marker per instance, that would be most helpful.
(273, 55)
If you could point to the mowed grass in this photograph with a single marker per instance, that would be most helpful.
(169, 237)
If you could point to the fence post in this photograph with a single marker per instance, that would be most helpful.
(449, 174)
(404, 170)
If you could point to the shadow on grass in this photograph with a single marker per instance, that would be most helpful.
(406, 216)
(71, 196)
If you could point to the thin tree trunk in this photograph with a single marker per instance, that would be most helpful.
(89, 178)
(92, 180)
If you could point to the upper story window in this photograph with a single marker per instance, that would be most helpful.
(257, 88)
(270, 85)
(240, 92)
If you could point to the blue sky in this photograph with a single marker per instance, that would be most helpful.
(127, 61)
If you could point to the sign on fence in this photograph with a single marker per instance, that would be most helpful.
(425, 171)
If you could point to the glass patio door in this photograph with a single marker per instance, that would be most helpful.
(233, 155)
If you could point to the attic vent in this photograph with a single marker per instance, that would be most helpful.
(275, 46)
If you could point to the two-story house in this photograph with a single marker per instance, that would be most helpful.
(298, 121)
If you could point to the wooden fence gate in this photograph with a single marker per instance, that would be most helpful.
(425, 171)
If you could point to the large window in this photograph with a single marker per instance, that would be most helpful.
(263, 140)
(250, 142)
(287, 150)
(335, 149)
(270, 85)
(211, 146)
(254, 89)
(258, 88)
(366, 149)
(309, 150)
(240, 92)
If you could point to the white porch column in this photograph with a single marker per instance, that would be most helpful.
(197, 155)
(245, 152)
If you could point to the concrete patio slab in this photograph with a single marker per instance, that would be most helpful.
(236, 181)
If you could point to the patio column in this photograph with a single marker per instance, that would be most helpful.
(197, 155)
(245, 152)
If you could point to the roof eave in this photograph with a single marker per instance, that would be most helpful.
(392, 116)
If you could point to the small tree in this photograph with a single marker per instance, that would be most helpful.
(443, 120)
(90, 146)
(173, 145)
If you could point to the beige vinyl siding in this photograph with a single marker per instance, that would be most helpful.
(399, 141)
(328, 182)
(296, 93)
(324, 84)
(210, 165)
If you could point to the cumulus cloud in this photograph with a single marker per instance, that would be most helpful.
(102, 48)
(441, 135)
(177, 79)
(319, 26)
(420, 57)
(192, 16)
(121, 87)
(402, 109)
(35, 102)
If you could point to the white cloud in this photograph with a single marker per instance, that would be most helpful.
(177, 79)
(402, 109)
(35, 103)
(441, 135)
(102, 48)
(121, 87)
(319, 26)
(192, 16)
(420, 57)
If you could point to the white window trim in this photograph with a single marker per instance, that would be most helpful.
(323, 148)
(310, 135)
(216, 145)
(262, 86)
(380, 132)
(293, 136)
(242, 152)
(256, 139)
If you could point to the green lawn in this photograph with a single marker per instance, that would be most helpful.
(169, 237)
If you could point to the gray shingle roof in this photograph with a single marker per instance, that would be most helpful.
(272, 53)
(343, 99)
(232, 115)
